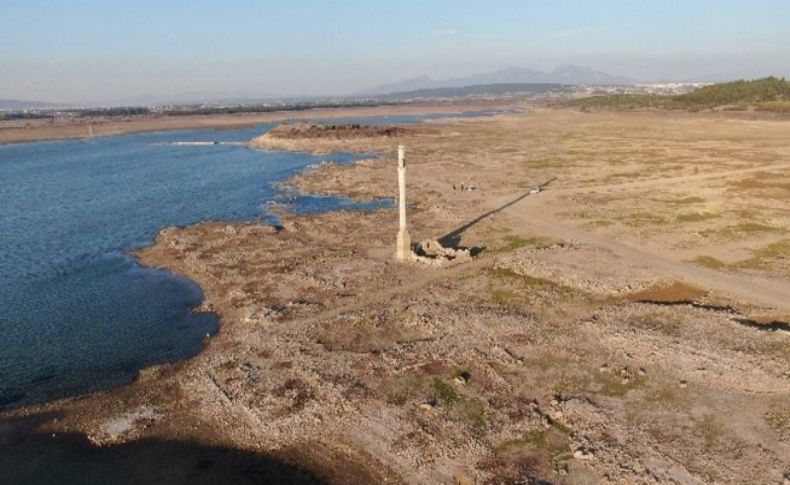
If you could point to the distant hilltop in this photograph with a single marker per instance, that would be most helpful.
(566, 74)
(766, 94)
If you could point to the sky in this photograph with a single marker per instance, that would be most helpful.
(93, 51)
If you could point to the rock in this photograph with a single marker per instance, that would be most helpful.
(581, 454)
(426, 406)
(129, 422)
(683, 384)
(431, 251)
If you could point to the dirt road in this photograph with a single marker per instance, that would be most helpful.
(771, 292)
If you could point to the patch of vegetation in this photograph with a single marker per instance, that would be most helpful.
(473, 411)
(739, 230)
(513, 243)
(530, 282)
(665, 392)
(469, 409)
(777, 250)
(445, 392)
(559, 426)
(626, 175)
(625, 102)
(642, 218)
(687, 200)
(767, 94)
(513, 289)
(614, 385)
(658, 322)
(542, 163)
(505, 297)
(551, 440)
(709, 430)
(709, 262)
(676, 292)
(778, 421)
(760, 181)
(301, 131)
(762, 257)
(696, 216)
(599, 223)
(402, 389)
(549, 361)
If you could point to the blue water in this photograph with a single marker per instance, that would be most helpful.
(77, 313)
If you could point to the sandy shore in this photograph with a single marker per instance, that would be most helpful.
(627, 325)
(21, 131)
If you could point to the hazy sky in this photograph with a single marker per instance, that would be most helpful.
(114, 50)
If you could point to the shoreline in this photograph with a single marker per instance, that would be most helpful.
(134, 254)
(334, 358)
(30, 131)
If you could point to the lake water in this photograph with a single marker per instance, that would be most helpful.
(77, 313)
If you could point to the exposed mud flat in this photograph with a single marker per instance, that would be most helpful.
(553, 355)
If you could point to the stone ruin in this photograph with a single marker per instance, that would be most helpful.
(429, 251)
(433, 253)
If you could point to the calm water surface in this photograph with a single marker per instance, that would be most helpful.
(77, 313)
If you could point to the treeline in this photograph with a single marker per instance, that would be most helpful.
(75, 113)
(115, 111)
(23, 115)
(766, 94)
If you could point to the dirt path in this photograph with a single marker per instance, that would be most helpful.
(773, 293)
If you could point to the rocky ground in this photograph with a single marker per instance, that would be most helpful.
(564, 352)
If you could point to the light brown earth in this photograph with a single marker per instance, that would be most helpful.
(628, 324)
(22, 131)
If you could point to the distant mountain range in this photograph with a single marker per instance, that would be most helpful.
(503, 79)
(566, 74)
(477, 90)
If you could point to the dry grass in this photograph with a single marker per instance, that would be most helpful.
(709, 262)
(768, 255)
(695, 217)
(739, 230)
(676, 292)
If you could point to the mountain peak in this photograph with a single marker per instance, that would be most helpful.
(563, 74)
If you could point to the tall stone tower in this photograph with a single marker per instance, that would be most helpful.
(404, 239)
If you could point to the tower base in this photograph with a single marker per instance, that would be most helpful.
(403, 251)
